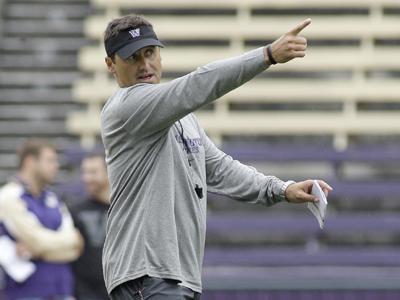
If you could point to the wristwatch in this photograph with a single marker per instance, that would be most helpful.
(282, 192)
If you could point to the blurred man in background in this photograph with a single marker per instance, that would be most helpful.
(90, 217)
(38, 227)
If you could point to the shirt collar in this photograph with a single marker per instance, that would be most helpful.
(27, 189)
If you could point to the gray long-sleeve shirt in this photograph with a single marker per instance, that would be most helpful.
(157, 222)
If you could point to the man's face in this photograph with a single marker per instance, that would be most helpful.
(94, 175)
(46, 165)
(144, 66)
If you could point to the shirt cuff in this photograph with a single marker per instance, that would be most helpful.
(282, 192)
(257, 56)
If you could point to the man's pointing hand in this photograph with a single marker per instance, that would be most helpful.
(290, 45)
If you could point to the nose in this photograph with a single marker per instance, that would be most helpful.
(144, 63)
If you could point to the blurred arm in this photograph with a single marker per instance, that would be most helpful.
(62, 245)
(241, 182)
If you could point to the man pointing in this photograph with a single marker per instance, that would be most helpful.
(161, 164)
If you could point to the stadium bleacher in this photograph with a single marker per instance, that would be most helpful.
(342, 66)
(333, 114)
(38, 65)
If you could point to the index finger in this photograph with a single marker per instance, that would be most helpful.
(326, 188)
(323, 184)
(299, 27)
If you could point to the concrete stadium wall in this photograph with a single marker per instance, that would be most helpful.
(1, 17)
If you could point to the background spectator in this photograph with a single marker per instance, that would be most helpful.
(90, 217)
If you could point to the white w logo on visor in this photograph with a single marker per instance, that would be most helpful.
(135, 32)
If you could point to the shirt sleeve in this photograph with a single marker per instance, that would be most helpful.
(61, 245)
(229, 177)
(148, 108)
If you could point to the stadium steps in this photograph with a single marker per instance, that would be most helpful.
(316, 282)
(356, 256)
(300, 229)
(38, 65)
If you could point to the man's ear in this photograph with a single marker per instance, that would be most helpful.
(110, 65)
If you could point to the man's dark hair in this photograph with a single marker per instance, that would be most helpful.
(32, 147)
(123, 23)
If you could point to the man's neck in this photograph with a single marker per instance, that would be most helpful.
(103, 196)
(34, 186)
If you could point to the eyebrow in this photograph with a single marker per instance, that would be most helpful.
(134, 55)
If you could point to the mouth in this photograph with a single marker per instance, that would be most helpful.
(146, 77)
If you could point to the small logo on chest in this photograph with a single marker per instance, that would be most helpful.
(193, 144)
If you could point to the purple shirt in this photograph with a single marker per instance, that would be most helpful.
(49, 279)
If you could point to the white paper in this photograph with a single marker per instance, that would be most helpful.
(16, 267)
(318, 208)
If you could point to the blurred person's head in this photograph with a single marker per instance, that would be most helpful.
(38, 162)
(133, 51)
(94, 177)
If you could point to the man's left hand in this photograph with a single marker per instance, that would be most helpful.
(300, 192)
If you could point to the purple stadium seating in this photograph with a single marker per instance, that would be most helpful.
(266, 152)
(343, 223)
(298, 256)
(365, 188)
